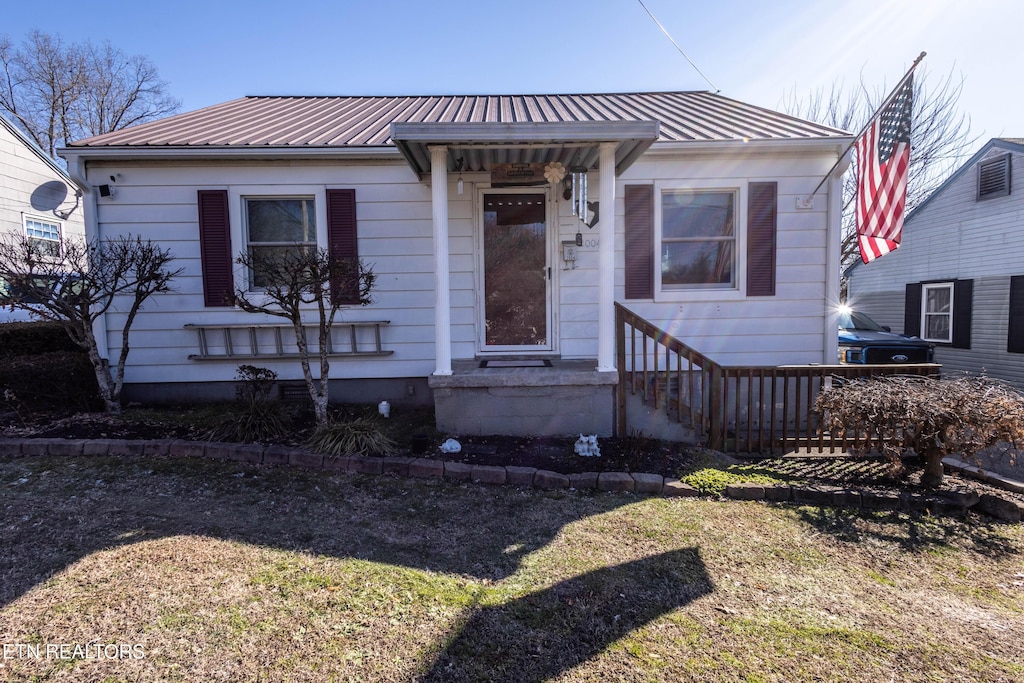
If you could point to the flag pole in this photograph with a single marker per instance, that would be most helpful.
(871, 120)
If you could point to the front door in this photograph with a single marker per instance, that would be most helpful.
(516, 273)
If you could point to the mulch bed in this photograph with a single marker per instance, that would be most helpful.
(630, 454)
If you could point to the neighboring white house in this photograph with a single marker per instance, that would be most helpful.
(38, 199)
(958, 277)
(703, 225)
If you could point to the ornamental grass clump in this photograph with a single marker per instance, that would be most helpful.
(933, 418)
(361, 436)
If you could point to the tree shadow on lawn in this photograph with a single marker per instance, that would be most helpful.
(56, 511)
(912, 532)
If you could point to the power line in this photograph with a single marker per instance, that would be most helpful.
(667, 35)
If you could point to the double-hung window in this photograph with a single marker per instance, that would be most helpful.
(276, 225)
(698, 239)
(43, 233)
(937, 312)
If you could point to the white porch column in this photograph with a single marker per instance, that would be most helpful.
(442, 281)
(606, 262)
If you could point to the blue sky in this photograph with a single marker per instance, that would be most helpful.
(758, 52)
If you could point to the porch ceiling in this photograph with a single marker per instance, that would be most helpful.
(482, 145)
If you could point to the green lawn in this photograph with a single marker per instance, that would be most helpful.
(206, 570)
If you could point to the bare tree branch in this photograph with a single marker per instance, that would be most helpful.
(79, 282)
(58, 92)
(291, 280)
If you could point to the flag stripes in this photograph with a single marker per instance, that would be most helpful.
(883, 164)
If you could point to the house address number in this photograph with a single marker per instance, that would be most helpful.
(591, 243)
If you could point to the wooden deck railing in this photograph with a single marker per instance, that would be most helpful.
(747, 409)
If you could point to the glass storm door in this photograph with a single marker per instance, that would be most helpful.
(516, 313)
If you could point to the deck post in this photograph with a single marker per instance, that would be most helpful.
(621, 423)
(716, 409)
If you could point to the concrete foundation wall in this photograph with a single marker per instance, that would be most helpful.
(562, 410)
(408, 391)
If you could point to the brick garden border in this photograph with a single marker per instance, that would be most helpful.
(948, 503)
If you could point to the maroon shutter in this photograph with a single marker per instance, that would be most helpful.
(639, 242)
(342, 242)
(762, 200)
(215, 248)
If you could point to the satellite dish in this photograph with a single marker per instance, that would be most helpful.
(49, 196)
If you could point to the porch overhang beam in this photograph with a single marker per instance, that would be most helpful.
(582, 138)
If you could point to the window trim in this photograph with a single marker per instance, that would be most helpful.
(950, 286)
(26, 217)
(736, 291)
(238, 196)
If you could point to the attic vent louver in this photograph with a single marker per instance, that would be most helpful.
(994, 177)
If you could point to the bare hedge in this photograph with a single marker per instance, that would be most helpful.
(933, 418)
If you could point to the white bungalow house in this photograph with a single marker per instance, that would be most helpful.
(38, 200)
(957, 279)
(698, 218)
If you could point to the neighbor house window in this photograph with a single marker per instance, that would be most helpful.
(940, 311)
(698, 239)
(937, 312)
(43, 233)
(276, 225)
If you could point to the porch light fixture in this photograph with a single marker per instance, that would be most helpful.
(458, 167)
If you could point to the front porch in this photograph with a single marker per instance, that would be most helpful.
(563, 398)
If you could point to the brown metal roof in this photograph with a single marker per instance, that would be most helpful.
(362, 122)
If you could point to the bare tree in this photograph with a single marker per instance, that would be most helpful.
(79, 282)
(940, 137)
(59, 92)
(292, 279)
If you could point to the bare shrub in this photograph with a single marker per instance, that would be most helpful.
(933, 418)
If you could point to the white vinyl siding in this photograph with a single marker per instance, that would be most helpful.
(158, 201)
(23, 173)
(956, 237)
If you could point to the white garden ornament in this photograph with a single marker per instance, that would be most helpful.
(451, 446)
(587, 446)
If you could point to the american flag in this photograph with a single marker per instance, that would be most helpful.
(883, 162)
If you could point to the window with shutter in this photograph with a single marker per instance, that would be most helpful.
(940, 312)
(994, 177)
(639, 241)
(215, 248)
(762, 210)
(343, 242)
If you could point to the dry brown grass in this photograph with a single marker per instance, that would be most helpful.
(227, 572)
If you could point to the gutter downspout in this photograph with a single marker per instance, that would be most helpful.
(834, 238)
(77, 169)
